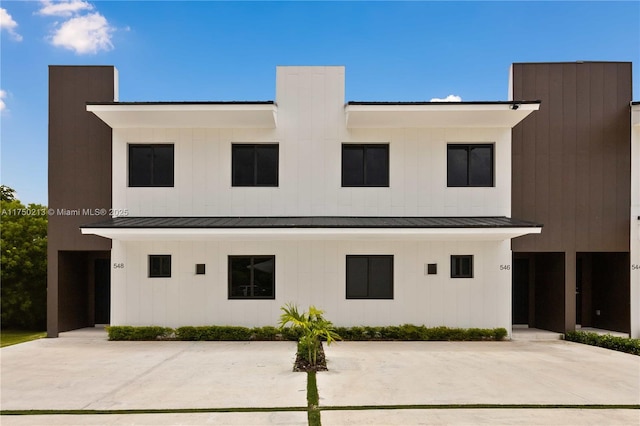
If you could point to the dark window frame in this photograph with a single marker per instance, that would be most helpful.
(255, 147)
(456, 267)
(369, 257)
(364, 147)
(468, 147)
(151, 183)
(230, 258)
(164, 259)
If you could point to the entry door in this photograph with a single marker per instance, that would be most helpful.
(102, 291)
(520, 291)
(578, 291)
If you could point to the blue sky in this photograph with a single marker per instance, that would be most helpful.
(204, 50)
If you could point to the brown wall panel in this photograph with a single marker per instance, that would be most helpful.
(623, 163)
(568, 150)
(579, 143)
(79, 178)
(597, 155)
(79, 153)
(571, 171)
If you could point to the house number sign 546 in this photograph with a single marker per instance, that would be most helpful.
(635, 267)
(118, 266)
(505, 267)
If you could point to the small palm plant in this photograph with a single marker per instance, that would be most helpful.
(312, 328)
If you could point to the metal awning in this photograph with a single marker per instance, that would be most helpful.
(312, 227)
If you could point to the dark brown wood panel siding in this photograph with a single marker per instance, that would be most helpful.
(79, 153)
(571, 159)
(79, 178)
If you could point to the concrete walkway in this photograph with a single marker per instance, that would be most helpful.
(82, 370)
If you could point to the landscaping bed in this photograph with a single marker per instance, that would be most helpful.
(406, 332)
(607, 341)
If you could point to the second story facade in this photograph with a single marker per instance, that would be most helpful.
(309, 154)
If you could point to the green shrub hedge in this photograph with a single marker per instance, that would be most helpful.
(214, 332)
(410, 332)
(622, 344)
(126, 332)
(406, 332)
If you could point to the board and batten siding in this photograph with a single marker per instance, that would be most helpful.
(312, 272)
(310, 132)
(635, 222)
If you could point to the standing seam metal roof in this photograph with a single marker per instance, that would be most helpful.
(314, 222)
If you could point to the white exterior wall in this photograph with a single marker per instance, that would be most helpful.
(312, 272)
(635, 223)
(311, 129)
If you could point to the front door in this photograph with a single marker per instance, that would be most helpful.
(578, 291)
(520, 291)
(102, 291)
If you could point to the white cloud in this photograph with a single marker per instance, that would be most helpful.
(84, 30)
(3, 95)
(64, 8)
(84, 34)
(450, 98)
(7, 23)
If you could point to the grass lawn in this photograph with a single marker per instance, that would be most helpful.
(13, 337)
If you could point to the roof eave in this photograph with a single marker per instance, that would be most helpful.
(438, 114)
(181, 234)
(119, 115)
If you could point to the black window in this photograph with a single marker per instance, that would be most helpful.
(470, 165)
(252, 277)
(254, 165)
(370, 277)
(461, 266)
(151, 165)
(159, 265)
(365, 165)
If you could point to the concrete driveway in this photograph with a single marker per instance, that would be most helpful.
(82, 370)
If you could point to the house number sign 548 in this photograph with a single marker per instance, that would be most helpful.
(118, 266)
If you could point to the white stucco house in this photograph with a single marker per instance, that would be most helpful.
(379, 213)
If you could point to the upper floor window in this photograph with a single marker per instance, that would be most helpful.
(469, 165)
(254, 164)
(365, 165)
(370, 277)
(151, 165)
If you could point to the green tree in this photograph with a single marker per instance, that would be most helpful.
(6, 193)
(313, 327)
(23, 247)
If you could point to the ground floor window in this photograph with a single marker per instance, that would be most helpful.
(370, 277)
(252, 277)
(462, 266)
(159, 266)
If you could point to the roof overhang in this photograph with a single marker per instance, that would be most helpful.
(182, 234)
(122, 115)
(248, 228)
(438, 114)
(635, 114)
